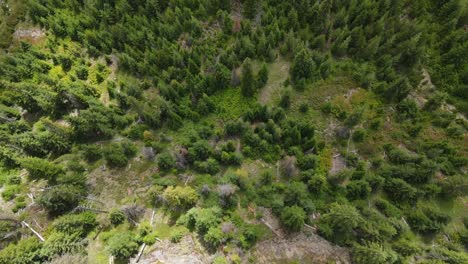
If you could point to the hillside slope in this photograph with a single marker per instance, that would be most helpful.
(214, 131)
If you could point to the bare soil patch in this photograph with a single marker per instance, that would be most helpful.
(303, 248)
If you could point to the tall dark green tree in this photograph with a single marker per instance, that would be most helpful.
(373, 253)
(262, 76)
(251, 7)
(293, 218)
(247, 79)
(303, 66)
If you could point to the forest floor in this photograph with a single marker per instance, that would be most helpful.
(305, 247)
(278, 73)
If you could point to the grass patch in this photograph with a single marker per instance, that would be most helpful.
(231, 104)
(278, 72)
(162, 230)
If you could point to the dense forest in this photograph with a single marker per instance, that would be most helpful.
(132, 128)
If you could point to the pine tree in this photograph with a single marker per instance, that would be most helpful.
(250, 8)
(293, 20)
(373, 253)
(343, 219)
(262, 46)
(227, 24)
(303, 65)
(398, 90)
(247, 81)
(293, 217)
(262, 76)
(225, 5)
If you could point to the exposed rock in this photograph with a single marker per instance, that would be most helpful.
(32, 33)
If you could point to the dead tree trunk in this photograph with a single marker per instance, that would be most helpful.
(34, 231)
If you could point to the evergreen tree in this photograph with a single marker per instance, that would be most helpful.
(398, 90)
(247, 80)
(373, 253)
(60, 199)
(303, 66)
(262, 76)
(250, 8)
(343, 219)
(122, 245)
(293, 218)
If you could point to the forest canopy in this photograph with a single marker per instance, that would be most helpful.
(128, 124)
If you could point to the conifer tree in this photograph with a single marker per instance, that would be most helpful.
(262, 76)
(247, 81)
(303, 65)
(293, 217)
(250, 8)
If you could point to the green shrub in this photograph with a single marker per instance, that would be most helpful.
(359, 135)
(387, 208)
(341, 220)
(136, 131)
(177, 234)
(10, 192)
(59, 243)
(406, 247)
(25, 251)
(400, 191)
(202, 219)
(122, 245)
(14, 179)
(210, 166)
(129, 149)
(91, 152)
(427, 220)
(82, 73)
(308, 162)
(285, 100)
(214, 237)
(166, 161)
(60, 199)
(20, 203)
(41, 169)
(293, 218)
(359, 189)
(262, 76)
(454, 186)
(247, 80)
(115, 156)
(179, 198)
(303, 107)
(116, 217)
(373, 253)
(76, 224)
(464, 237)
(251, 234)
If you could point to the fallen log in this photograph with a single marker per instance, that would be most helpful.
(311, 227)
(34, 231)
(270, 227)
(140, 253)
